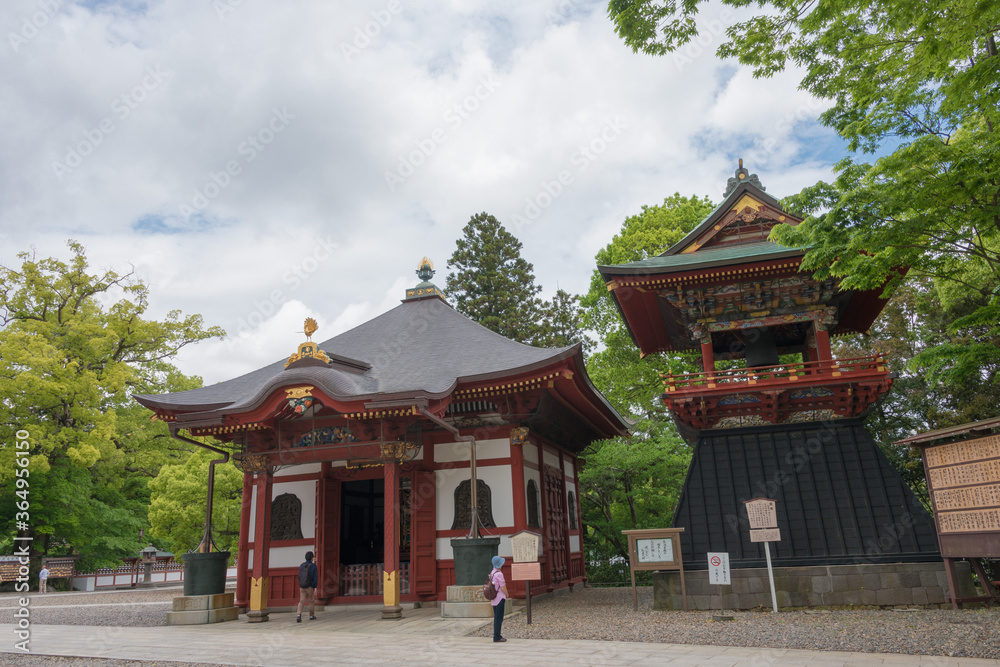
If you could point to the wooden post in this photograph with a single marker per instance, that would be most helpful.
(708, 357)
(260, 581)
(823, 345)
(391, 610)
(527, 585)
(243, 556)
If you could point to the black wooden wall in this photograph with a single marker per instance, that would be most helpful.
(840, 501)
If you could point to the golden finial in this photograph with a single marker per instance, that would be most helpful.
(310, 328)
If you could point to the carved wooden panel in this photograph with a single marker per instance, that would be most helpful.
(286, 517)
(555, 523)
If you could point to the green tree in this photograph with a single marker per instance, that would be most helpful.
(921, 317)
(628, 380)
(560, 323)
(923, 76)
(493, 285)
(633, 482)
(177, 504)
(70, 356)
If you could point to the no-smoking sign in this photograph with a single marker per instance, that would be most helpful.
(718, 569)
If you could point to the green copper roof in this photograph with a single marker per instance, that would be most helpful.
(709, 257)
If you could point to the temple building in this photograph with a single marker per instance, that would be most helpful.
(375, 448)
(787, 430)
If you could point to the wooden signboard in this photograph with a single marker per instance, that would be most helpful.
(524, 547)
(762, 513)
(963, 479)
(655, 549)
(765, 535)
(526, 571)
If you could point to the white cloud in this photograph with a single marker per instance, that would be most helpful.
(260, 120)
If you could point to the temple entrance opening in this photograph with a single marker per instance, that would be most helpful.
(362, 540)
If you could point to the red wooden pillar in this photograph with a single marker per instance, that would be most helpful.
(517, 482)
(260, 580)
(823, 345)
(243, 556)
(391, 610)
(708, 357)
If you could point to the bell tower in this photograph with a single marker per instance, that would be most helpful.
(772, 413)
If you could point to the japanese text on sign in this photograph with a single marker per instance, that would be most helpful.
(659, 550)
(762, 513)
(718, 569)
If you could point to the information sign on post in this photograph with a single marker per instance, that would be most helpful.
(526, 568)
(763, 516)
(655, 549)
(718, 569)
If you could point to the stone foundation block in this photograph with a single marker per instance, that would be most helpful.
(886, 585)
(202, 609)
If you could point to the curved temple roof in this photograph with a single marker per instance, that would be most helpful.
(423, 347)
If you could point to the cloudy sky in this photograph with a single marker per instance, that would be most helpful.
(260, 162)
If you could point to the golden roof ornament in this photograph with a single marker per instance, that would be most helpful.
(310, 328)
(308, 349)
(425, 271)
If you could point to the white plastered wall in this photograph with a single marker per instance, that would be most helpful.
(305, 490)
(450, 452)
(285, 556)
(551, 459)
(500, 481)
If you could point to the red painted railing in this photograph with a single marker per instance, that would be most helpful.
(366, 579)
(744, 379)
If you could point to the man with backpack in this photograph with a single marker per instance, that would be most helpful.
(496, 576)
(308, 581)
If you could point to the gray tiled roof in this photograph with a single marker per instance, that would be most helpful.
(419, 347)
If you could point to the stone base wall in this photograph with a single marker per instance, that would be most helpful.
(884, 585)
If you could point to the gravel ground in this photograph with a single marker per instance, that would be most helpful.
(602, 614)
(606, 614)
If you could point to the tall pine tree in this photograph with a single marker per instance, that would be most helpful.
(491, 283)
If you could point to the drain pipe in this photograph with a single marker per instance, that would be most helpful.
(474, 531)
(206, 538)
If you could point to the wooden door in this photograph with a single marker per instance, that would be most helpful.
(423, 542)
(328, 552)
(555, 524)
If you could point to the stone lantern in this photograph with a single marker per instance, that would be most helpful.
(148, 558)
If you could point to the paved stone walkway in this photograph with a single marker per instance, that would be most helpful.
(429, 640)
